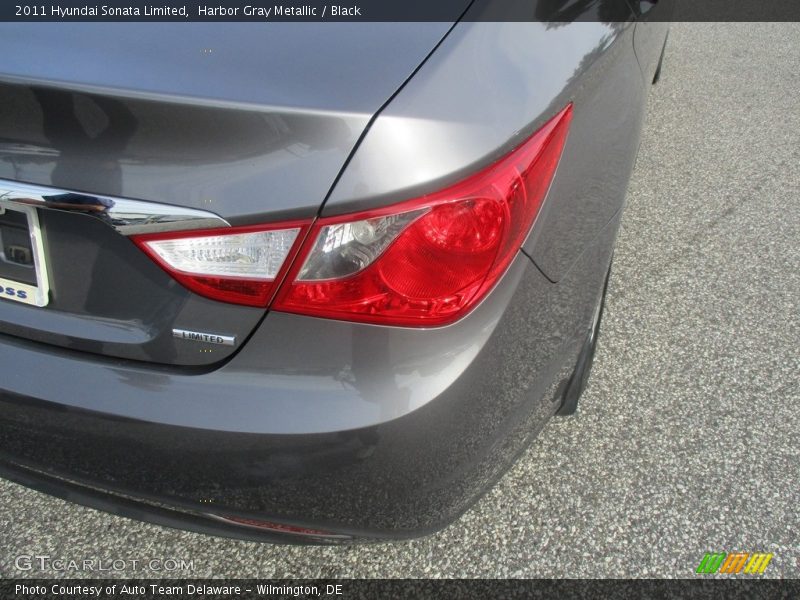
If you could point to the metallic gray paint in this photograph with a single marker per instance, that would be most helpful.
(322, 376)
(233, 118)
(313, 421)
(108, 298)
(432, 461)
(488, 87)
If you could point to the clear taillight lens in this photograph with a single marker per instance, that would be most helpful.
(344, 249)
(257, 255)
(238, 265)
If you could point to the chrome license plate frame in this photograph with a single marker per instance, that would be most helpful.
(17, 291)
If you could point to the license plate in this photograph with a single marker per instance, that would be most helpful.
(23, 270)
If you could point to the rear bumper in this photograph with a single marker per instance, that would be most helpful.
(155, 512)
(362, 431)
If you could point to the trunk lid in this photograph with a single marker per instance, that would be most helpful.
(251, 122)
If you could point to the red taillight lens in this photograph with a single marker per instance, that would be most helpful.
(430, 260)
(236, 264)
(423, 262)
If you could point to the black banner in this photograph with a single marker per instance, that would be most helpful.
(394, 10)
(734, 588)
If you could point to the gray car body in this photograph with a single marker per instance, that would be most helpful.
(361, 430)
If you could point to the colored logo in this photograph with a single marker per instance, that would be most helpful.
(753, 563)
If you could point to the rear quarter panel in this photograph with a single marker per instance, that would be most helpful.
(487, 88)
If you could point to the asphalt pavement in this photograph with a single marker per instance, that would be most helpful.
(688, 437)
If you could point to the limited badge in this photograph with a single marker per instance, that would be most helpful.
(206, 338)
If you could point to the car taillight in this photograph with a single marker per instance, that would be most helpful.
(235, 264)
(427, 261)
(422, 262)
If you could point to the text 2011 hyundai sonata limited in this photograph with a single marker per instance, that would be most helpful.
(305, 281)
